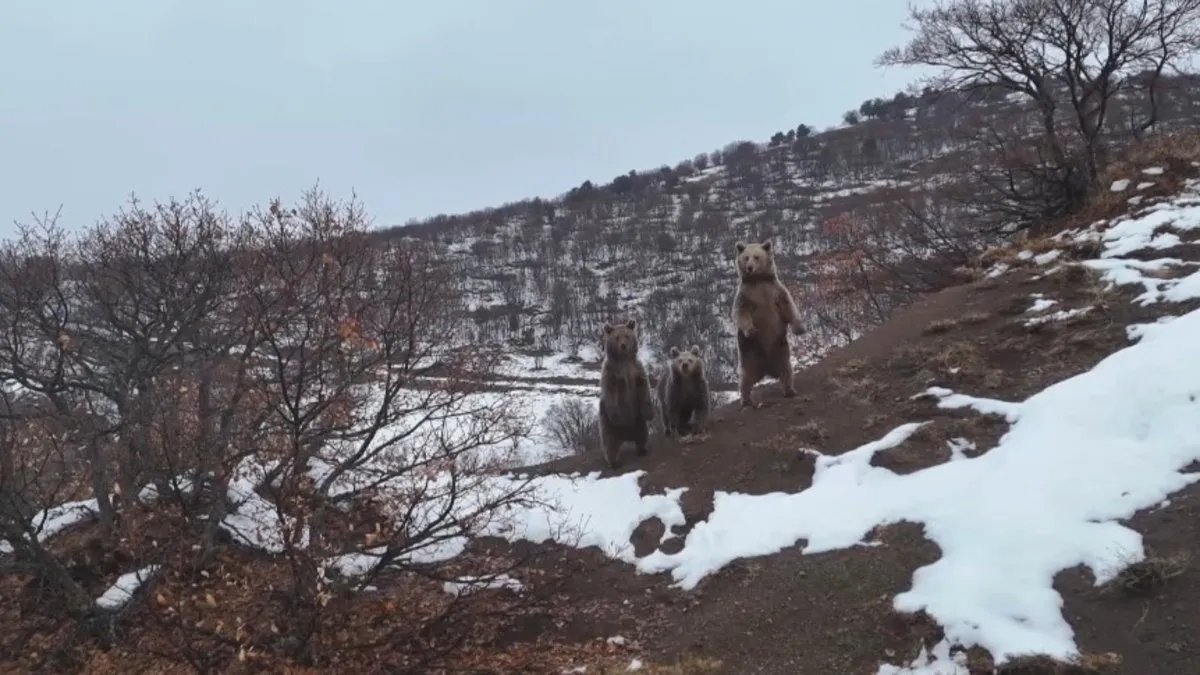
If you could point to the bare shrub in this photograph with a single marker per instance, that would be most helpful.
(1149, 575)
(267, 383)
(573, 424)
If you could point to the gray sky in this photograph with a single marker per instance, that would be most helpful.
(422, 108)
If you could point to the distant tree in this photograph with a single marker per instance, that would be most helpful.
(851, 117)
(622, 184)
(581, 194)
(803, 131)
(740, 153)
(700, 161)
(778, 139)
(875, 107)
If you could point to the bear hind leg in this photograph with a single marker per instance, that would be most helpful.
(610, 444)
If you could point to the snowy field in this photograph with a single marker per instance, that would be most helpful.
(1087, 452)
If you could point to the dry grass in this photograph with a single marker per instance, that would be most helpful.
(852, 366)
(1085, 664)
(1149, 575)
(969, 273)
(1174, 152)
(688, 665)
(813, 430)
(960, 358)
(860, 389)
(939, 326)
(910, 357)
(873, 420)
(1006, 254)
(1103, 339)
(1038, 245)
(1082, 249)
(1181, 147)
(973, 318)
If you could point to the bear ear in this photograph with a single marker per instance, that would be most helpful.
(766, 246)
(674, 351)
(631, 324)
(740, 246)
(695, 350)
(608, 328)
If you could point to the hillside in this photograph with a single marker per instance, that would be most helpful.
(656, 244)
(939, 483)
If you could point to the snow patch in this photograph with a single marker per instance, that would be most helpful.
(126, 585)
(58, 518)
(936, 661)
(1047, 257)
(578, 511)
(1041, 304)
(467, 585)
(1059, 316)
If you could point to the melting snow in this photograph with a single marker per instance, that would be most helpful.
(1047, 257)
(58, 518)
(467, 585)
(579, 511)
(1060, 315)
(1041, 304)
(936, 661)
(126, 585)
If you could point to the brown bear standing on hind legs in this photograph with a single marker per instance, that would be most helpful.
(683, 396)
(626, 407)
(763, 310)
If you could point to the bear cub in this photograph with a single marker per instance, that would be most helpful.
(683, 397)
(763, 310)
(626, 406)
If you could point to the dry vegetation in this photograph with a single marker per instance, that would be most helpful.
(1149, 575)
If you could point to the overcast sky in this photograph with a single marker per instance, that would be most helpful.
(422, 108)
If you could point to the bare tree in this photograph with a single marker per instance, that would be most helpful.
(1070, 58)
(269, 383)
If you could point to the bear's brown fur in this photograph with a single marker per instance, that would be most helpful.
(763, 310)
(683, 398)
(626, 406)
